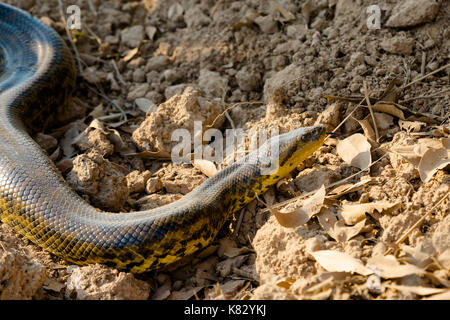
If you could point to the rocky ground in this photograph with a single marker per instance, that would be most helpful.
(149, 67)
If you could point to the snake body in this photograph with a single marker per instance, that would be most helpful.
(37, 78)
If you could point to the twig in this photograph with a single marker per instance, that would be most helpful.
(280, 204)
(346, 118)
(116, 69)
(436, 95)
(369, 105)
(92, 7)
(415, 225)
(110, 101)
(233, 106)
(239, 222)
(424, 61)
(214, 9)
(425, 76)
(92, 33)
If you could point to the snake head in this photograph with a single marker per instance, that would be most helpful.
(294, 147)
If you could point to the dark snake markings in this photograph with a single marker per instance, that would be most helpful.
(37, 78)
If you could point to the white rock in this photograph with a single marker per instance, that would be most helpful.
(138, 91)
(398, 45)
(248, 80)
(267, 24)
(175, 12)
(195, 17)
(132, 36)
(408, 13)
(213, 83)
(97, 282)
(157, 63)
(144, 104)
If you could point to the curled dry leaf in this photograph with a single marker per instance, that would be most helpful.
(407, 153)
(184, 294)
(433, 160)
(150, 154)
(335, 261)
(388, 267)
(145, 105)
(353, 213)
(428, 156)
(336, 228)
(164, 290)
(368, 130)
(69, 139)
(343, 189)
(97, 111)
(355, 151)
(383, 120)
(421, 291)
(301, 215)
(441, 296)
(287, 15)
(231, 288)
(411, 126)
(207, 167)
(389, 109)
(229, 249)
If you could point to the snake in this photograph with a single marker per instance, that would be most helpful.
(37, 81)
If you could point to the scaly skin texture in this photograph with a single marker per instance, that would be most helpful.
(37, 77)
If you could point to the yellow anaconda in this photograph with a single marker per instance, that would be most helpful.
(37, 77)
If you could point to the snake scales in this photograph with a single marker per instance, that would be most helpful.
(37, 77)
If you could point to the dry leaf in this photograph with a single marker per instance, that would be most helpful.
(145, 105)
(444, 259)
(388, 267)
(150, 155)
(69, 140)
(287, 15)
(184, 294)
(383, 120)
(416, 255)
(336, 261)
(336, 228)
(411, 126)
(441, 296)
(408, 153)
(323, 295)
(353, 213)
(355, 151)
(433, 160)
(343, 233)
(424, 144)
(231, 288)
(389, 109)
(301, 215)
(421, 291)
(286, 283)
(163, 292)
(347, 188)
(97, 111)
(150, 31)
(207, 167)
(229, 249)
(130, 54)
(368, 130)
(53, 285)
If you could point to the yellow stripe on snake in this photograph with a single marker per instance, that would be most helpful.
(37, 77)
